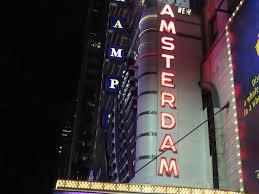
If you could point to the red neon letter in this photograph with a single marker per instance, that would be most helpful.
(167, 11)
(168, 143)
(168, 168)
(168, 98)
(167, 80)
(167, 60)
(168, 42)
(167, 125)
(167, 27)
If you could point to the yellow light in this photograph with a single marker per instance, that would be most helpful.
(172, 190)
(119, 187)
(159, 189)
(122, 187)
(135, 188)
(147, 189)
(109, 186)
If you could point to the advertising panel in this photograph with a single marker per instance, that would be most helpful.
(244, 38)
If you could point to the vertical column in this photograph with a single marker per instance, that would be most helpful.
(147, 113)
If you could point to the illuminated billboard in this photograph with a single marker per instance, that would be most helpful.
(244, 39)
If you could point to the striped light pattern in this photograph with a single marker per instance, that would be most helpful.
(233, 97)
(72, 185)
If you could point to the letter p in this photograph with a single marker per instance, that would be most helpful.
(114, 82)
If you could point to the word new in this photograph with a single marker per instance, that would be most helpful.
(184, 11)
(167, 120)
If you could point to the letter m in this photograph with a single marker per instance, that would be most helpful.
(168, 168)
(168, 27)
(116, 53)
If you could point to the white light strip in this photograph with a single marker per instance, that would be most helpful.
(236, 130)
(145, 18)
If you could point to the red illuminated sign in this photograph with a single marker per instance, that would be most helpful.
(168, 99)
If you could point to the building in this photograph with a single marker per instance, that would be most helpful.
(64, 149)
(83, 157)
(177, 102)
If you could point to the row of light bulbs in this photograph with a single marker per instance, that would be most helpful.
(233, 96)
(118, 187)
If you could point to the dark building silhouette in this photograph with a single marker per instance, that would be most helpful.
(83, 148)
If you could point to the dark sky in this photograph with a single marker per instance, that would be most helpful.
(40, 62)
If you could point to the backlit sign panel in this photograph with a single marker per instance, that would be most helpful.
(112, 84)
(118, 24)
(116, 53)
(244, 33)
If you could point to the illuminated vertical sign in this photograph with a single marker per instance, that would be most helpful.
(112, 84)
(116, 53)
(118, 24)
(166, 25)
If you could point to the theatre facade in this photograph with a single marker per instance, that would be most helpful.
(179, 107)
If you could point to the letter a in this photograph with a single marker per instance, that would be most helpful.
(167, 11)
(118, 24)
(168, 144)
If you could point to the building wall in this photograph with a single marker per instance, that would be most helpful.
(192, 156)
(216, 73)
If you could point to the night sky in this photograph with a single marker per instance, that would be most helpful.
(42, 52)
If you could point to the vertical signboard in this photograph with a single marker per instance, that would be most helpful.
(168, 119)
(244, 35)
(169, 100)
